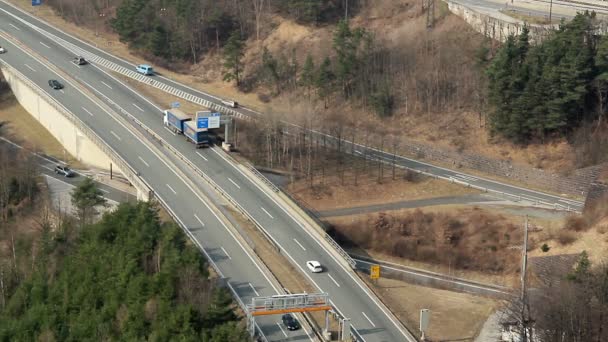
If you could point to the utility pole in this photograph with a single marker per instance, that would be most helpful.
(550, 10)
(524, 299)
(430, 13)
(346, 10)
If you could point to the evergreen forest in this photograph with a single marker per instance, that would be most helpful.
(127, 277)
(549, 89)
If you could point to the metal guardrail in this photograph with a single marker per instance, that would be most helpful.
(314, 215)
(137, 76)
(123, 165)
(264, 179)
(258, 330)
(131, 174)
(213, 106)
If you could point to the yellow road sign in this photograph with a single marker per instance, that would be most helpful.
(374, 272)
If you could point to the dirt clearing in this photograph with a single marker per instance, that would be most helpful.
(454, 316)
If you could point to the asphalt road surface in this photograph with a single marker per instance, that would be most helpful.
(347, 292)
(492, 5)
(47, 165)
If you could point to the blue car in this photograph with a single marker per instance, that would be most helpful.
(145, 69)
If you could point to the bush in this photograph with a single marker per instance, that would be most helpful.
(576, 223)
(566, 237)
(545, 248)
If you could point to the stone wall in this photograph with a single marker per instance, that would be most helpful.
(575, 184)
(492, 27)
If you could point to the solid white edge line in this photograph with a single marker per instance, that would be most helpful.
(40, 21)
(188, 186)
(238, 242)
(405, 333)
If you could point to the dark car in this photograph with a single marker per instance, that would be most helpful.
(64, 170)
(79, 60)
(55, 84)
(290, 322)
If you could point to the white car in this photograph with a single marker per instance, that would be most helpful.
(2, 50)
(230, 103)
(314, 266)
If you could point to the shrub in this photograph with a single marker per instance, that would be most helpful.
(566, 237)
(545, 248)
(576, 223)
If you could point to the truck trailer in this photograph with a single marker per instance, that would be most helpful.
(198, 136)
(174, 119)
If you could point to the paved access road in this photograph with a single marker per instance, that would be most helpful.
(347, 292)
(47, 167)
(492, 186)
(211, 234)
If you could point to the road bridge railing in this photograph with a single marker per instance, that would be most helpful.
(230, 111)
(144, 192)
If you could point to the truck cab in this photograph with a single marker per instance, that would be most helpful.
(145, 69)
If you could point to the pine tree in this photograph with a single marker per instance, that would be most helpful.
(270, 68)
(346, 43)
(500, 92)
(324, 80)
(233, 53)
(307, 78)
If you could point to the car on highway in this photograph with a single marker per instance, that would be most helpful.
(314, 266)
(64, 170)
(55, 84)
(290, 322)
(145, 69)
(2, 50)
(78, 60)
(230, 103)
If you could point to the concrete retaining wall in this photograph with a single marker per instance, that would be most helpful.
(70, 137)
(492, 27)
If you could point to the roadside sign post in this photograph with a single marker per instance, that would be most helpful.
(207, 120)
(374, 272)
(424, 321)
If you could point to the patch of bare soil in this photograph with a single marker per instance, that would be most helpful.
(332, 192)
(454, 316)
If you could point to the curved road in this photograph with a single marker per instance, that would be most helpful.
(347, 292)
